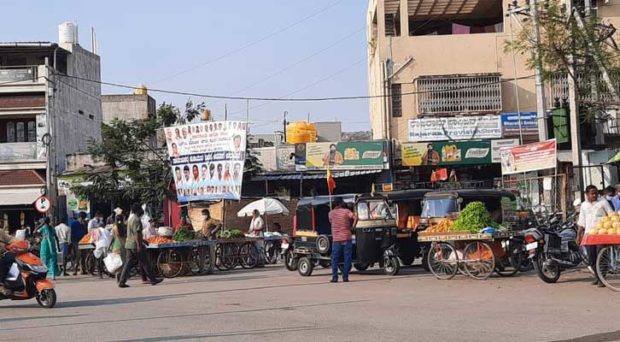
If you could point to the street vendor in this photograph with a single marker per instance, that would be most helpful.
(210, 226)
(591, 211)
(257, 225)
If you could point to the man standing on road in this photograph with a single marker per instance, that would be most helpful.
(591, 211)
(340, 218)
(95, 222)
(136, 249)
(78, 230)
(63, 233)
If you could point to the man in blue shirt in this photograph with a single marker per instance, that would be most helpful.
(78, 230)
(616, 199)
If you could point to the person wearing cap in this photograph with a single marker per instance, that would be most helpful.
(342, 220)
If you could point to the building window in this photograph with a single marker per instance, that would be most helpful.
(10, 131)
(32, 131)
(90, 116)
(392, 18)
(20, 132)
(397, 103)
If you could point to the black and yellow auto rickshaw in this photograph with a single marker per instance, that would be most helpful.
(374, 235)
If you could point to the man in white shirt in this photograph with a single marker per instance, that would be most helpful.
(591, 211)
(95, 222)
(63, 232)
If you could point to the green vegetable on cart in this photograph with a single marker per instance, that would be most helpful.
(230, 234)
(183, 235)
(473, 218)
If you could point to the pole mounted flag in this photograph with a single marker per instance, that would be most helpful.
(331, 183)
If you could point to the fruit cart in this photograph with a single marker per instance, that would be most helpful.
(608, 258)
(178, 258)
(475, 255)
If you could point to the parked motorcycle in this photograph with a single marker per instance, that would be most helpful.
(553, 248)
(27, 277)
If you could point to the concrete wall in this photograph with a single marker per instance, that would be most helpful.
(76, 106)
(127, 107)
(439, 55)
(329, 131)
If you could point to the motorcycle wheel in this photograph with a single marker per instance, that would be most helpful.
(548, 274)
(391, 265)
(47, 298)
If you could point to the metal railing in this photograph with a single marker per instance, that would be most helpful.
(557, 88)
(459, 94)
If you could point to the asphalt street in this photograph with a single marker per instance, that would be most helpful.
(273, 304)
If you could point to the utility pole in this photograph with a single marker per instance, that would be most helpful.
(225, 112)
(540, 89)
(575, 131)
(284, 124)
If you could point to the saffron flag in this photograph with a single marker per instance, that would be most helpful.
(331, 183)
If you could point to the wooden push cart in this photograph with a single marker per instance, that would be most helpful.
(178, 258)
(608, 258)
(475, 255)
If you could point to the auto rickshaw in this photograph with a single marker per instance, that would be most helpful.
(374, 236)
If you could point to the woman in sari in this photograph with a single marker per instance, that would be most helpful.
(49, 248)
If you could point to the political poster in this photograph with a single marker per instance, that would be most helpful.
(455, 128)
(207, 159)
(350, 155)
(446, 153)
(530, 157)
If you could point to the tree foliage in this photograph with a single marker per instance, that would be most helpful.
(565, 44)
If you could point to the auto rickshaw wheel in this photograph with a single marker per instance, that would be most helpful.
(391, 265)
(305, 267)
(361, 266)
(322, 244)
(290, 261)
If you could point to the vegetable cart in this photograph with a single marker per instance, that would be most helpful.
(475, 255)
(230, 253)
(177, 258)
(608, 258)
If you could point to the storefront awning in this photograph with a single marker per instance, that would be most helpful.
(19, 196)
(322, 175)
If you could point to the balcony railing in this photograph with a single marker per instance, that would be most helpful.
(22, 151)
(459, 94)
(557, 88)
(18, 74)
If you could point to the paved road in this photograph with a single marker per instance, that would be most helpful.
(273, 304)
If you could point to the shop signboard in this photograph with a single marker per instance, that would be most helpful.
(349, 155)
(455, 128)
(497, 145)
(510, 123)
(207, 159)
(285, 158)
(267, 158)
(529, 157)
(446, 153)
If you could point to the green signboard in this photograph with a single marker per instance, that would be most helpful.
(351, 155)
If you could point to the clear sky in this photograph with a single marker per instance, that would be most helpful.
(269, 48)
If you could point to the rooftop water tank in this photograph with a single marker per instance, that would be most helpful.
(140, 90)
(68, 33)
(300, 132)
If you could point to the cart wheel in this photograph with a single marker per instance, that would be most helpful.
(170, 263)
(509, 265)
(271, 253)
(305, 267)
(608, 267)
(443, 261)
(248, 255)
(361, 266)
(478, 260)
(91, 264)
(196, 264)
(322, 244)
(290, 261)
(391, 265)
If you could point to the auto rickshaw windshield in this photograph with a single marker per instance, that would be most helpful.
(439, 207)
(374, 210)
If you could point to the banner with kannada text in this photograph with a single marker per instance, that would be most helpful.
(530, 157)
(207, 159)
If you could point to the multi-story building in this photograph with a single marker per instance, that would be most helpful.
(434, 58)
(49, 107)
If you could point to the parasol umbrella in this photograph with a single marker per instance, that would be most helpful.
(265, 206)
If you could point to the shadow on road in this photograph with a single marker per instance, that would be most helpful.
(17, 319)
(602, 337)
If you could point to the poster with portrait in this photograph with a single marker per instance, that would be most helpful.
(207, 159)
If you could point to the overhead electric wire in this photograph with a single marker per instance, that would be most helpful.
(250, 44)
(296, 99)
